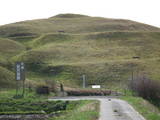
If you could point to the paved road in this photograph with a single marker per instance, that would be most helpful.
(110, 108)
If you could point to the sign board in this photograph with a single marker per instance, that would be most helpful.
(20, 71)
(96, 86)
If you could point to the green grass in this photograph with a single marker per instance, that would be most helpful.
(87, 110)
(6, 94)
(9, 48)
(149, 111)
(101, 48)
(98, 57)
(6, 78)
(30, 105)
(50, 38)
(33, 103)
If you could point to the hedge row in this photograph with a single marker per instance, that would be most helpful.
(88, 92)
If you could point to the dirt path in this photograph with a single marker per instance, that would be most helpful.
(111, 108)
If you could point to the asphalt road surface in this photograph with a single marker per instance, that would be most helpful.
(110, 108)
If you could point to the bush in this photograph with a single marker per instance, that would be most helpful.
(146, 88)
(61, 105)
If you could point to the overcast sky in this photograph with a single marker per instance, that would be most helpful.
(145, 11)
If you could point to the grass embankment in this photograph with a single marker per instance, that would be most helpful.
(30, 104)
(149, 111)
(36, 104)
(86, 110)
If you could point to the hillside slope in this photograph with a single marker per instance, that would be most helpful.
(66, 46)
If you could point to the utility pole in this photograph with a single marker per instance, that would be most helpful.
(132, 80)
(132, 74)
(84, 81)
(135, 57)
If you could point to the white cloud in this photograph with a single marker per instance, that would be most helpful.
(145, 11)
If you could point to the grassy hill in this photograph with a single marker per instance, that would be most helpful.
(66, 46)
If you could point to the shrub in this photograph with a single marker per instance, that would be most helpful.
(146, 88)
(60, 105)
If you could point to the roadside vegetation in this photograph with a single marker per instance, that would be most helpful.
(146, 88)
(31, 106)
(86, 110)
(33, 103)
(144, 96)
(145, 108)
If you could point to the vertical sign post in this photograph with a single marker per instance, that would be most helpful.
(20, 76)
